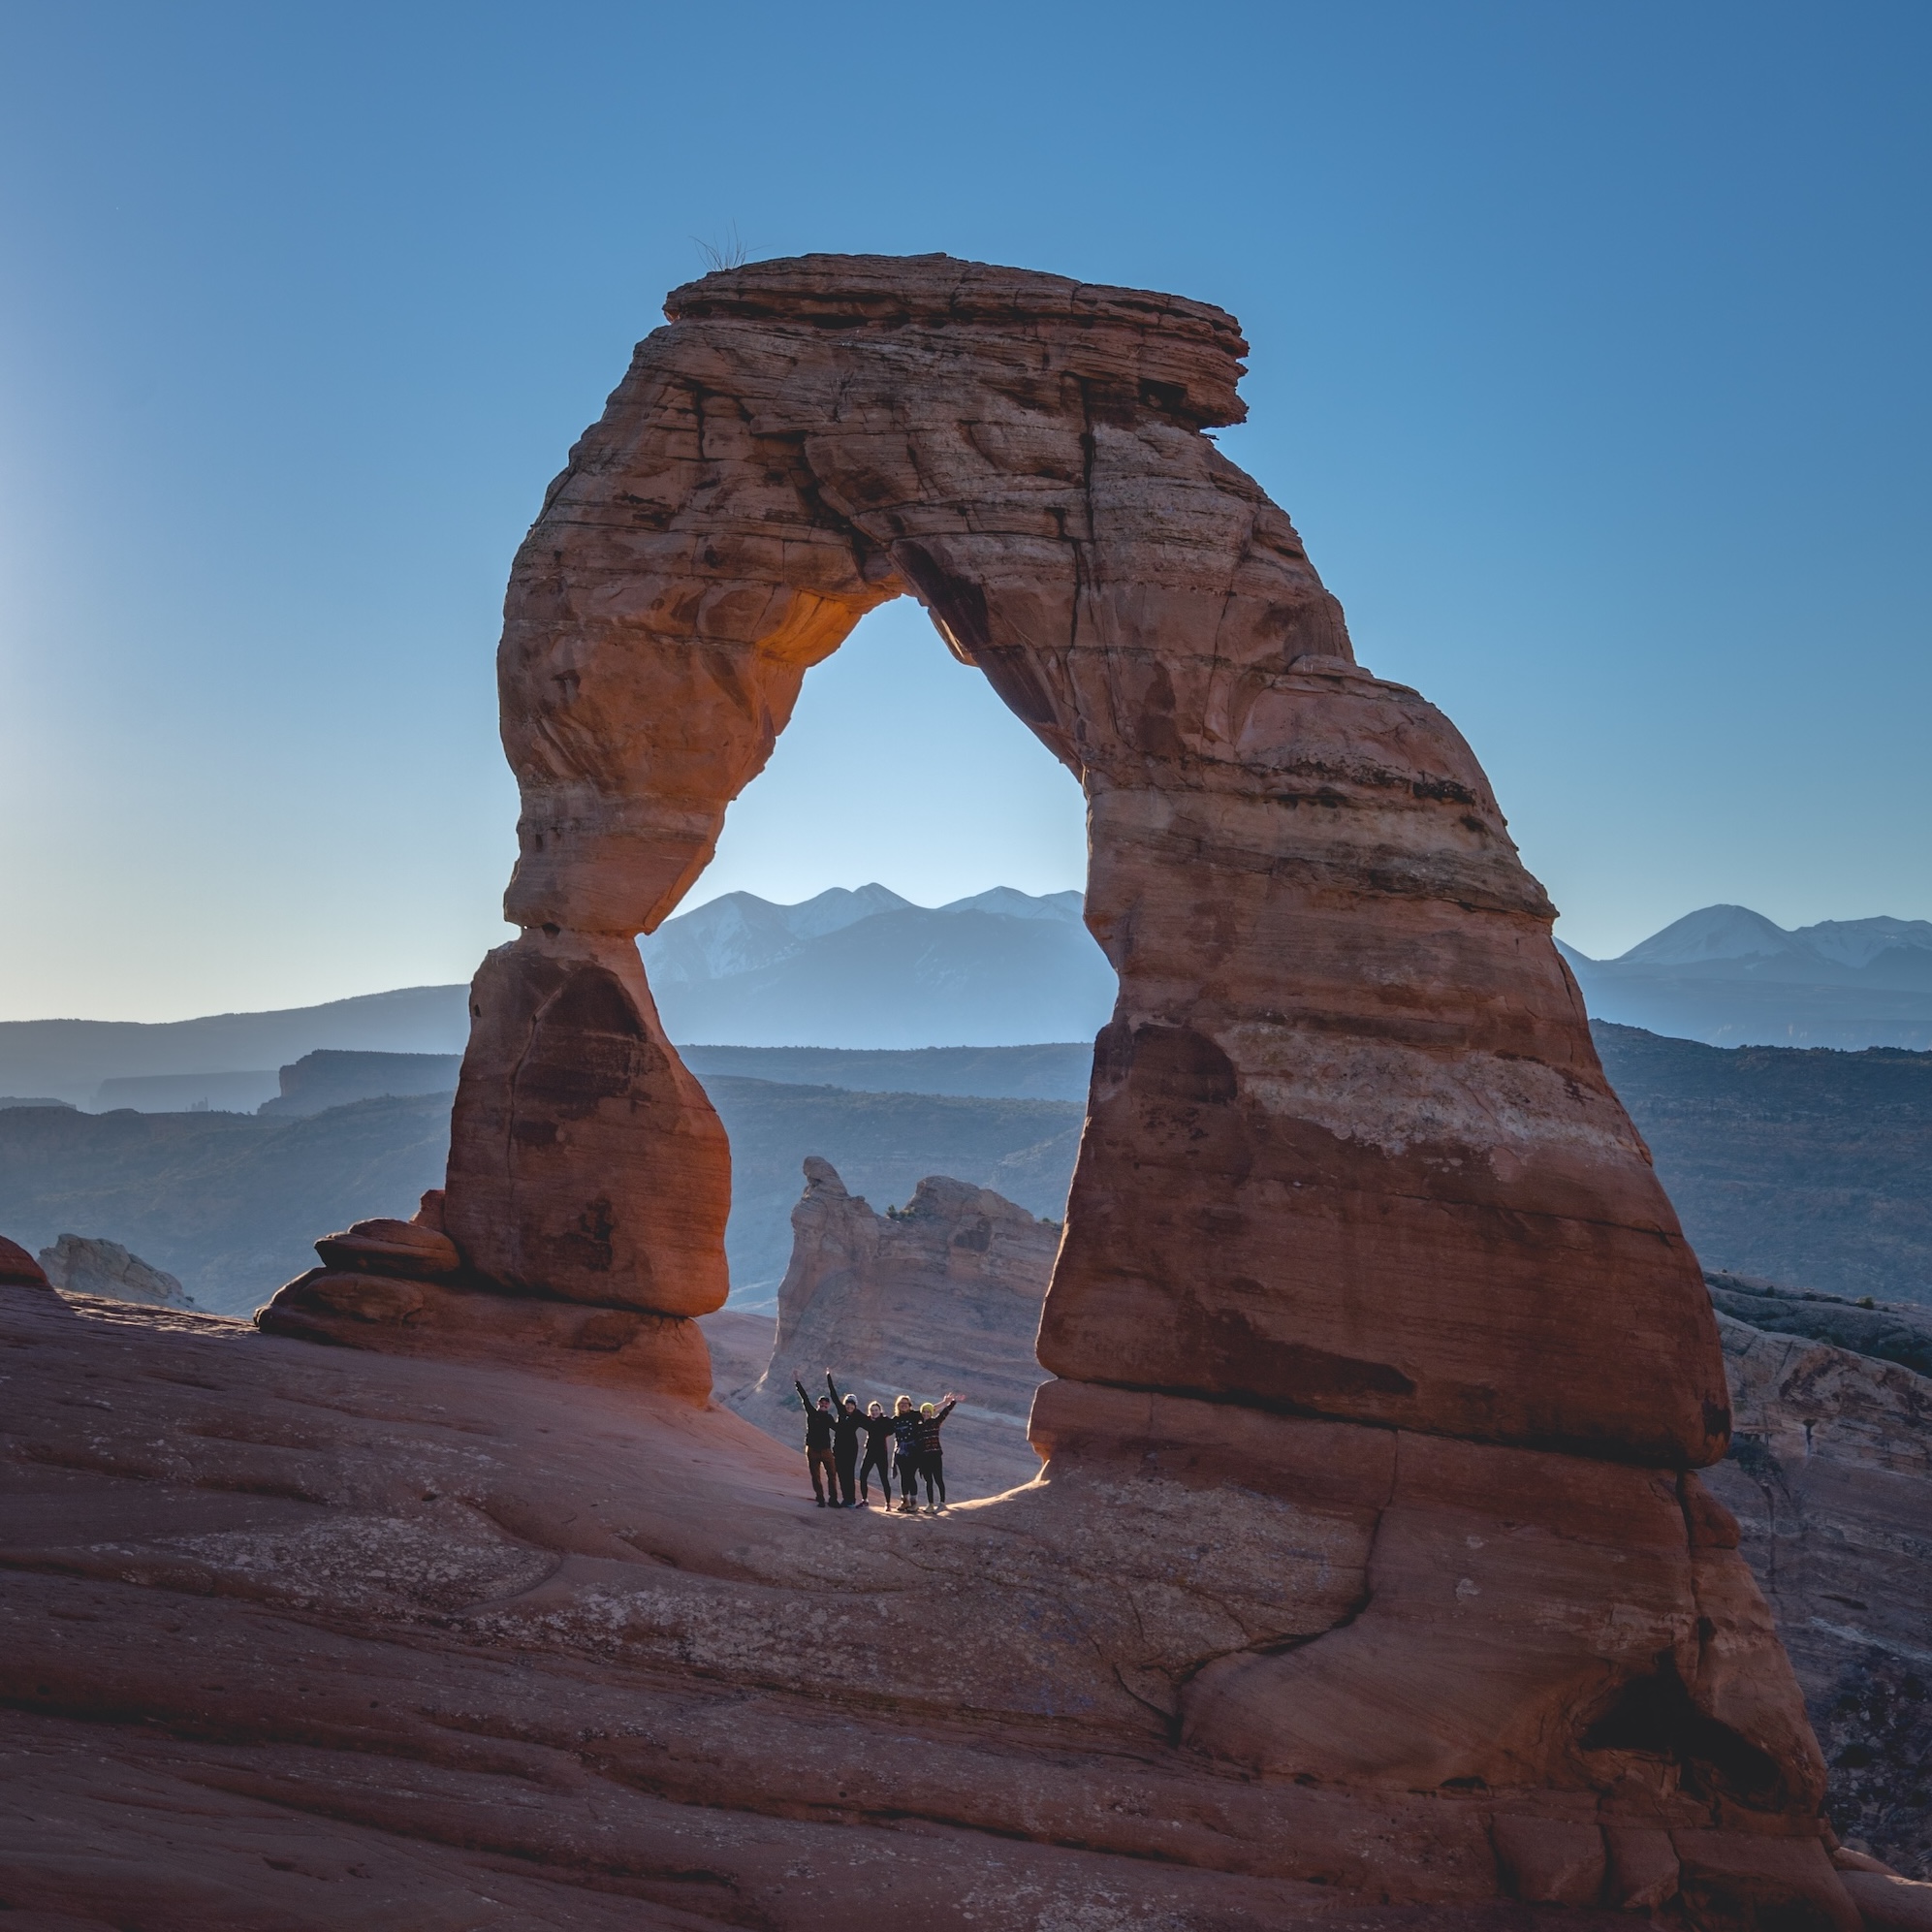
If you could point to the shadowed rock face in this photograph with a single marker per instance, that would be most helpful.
(1831, 1478)
(1357, 1227)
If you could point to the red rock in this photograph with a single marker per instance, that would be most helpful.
(19, 1269)
(621, 1347)
(383, 1247)
(1381, 1355)
(585, 1161)
(472, 1643)
(1550, 1861)
(1889, 1903)
(1730, 1878)
(1347, 1063)
(1643, 1867)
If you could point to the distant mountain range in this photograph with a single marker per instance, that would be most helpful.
(868, 968)
(1727, 977)
(868, 971)
(846, 969)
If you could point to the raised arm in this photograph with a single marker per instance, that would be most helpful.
(952, 1403)
(801, 1396)
(837, 1400)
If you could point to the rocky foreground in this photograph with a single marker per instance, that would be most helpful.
(302, 1637)
(306, 1637)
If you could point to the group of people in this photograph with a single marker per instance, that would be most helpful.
(904, 1445)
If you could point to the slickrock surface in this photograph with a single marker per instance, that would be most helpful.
(942, 1295)
(90, 1267)
(1383, 1366)
(298, 1638)
(1830, 1476)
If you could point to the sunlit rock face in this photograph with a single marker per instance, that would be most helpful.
(1362, 1253)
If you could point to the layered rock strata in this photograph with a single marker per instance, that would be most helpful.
(940, 1295)
(1361, 1249)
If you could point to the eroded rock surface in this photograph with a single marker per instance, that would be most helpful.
(942, 1294)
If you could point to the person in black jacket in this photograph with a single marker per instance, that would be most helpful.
(846, 1433)
(818, 1429)
(875, 1425)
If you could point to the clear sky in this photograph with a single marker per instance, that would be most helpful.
(1590, 352)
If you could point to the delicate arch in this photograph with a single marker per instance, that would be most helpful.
(1350, 1151)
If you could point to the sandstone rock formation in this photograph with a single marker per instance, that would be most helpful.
(1830, 1476)
(942, 1294)
(19, 1269)
(1384, 1370)
(90, 1267)
(402, 1286)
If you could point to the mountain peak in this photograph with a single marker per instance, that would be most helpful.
(1858, 942)
(1712, 932)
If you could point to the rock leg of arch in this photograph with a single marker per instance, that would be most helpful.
(1357, 1223)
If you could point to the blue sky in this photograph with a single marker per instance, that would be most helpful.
(1589, 355)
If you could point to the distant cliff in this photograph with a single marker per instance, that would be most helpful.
(1830, 1476)
(944, 1294)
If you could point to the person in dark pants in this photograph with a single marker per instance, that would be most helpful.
(932, 1458)
(818, 1428)
(875, 1425)
(846, 1433)
(905, 1453)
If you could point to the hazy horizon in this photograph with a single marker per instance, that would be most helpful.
(1585, 357)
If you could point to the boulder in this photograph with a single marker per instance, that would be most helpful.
(84, 1267)
(384, 1246)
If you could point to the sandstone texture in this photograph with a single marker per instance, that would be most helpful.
(940, 1295)
(1382, 1369)
(90, 1267)
(306, 1637)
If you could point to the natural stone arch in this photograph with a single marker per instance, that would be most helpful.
(1350, 1151)
(1361, 1250)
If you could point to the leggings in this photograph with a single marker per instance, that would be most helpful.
(933, 1466)
(845, 1458)
(875, 1459)
(908, 1478)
